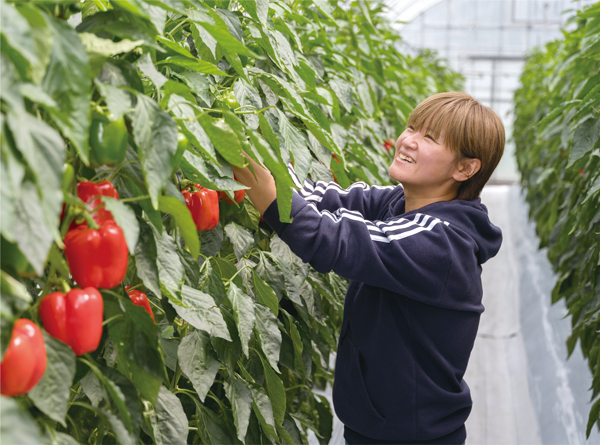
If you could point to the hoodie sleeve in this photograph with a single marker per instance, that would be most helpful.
(359, 197)
(412, 256)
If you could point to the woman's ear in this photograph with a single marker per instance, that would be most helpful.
(466, 169)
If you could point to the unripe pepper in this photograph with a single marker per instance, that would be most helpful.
(97, 257)
(108, 141)
(204, 207)
(24, 361)
(140, 299)
(75, 318)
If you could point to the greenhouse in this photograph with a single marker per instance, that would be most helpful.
(300, 222)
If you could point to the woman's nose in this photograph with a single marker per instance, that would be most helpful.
(410, 142)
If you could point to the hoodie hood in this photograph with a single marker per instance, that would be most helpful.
(470, 218)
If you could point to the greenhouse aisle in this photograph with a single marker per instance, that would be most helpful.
(524, 389)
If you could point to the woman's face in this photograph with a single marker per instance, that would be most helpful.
(422, 163)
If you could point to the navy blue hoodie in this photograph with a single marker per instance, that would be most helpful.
(412, 308)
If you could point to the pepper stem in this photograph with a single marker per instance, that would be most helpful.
(91, 223)
(65, 286)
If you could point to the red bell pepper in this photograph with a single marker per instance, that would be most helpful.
(97, 258)
(24, 361)
(388, 144)
(140, 299)
(238, 196)
(75, 318)
(204, 207)
(91, 193)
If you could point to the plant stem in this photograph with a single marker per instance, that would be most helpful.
(135, 198)
(105, 322)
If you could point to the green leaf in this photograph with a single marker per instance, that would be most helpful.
(99, 49)
(117, 100)
(585, 138)
(17, 32)
(241, 239)
(276, 392)
(34, 239)
(198, 361)
(265, 294)
(44, 151)
(51, 394)
(211, 427)
(146, 259)
(240, 398)
(326, 9)
(63, 439)
(296, 144)
(262, 408)
(136, 339)
(212, 240)
(243, 313)
(283, 180)
(125, 217)
(18, 425)
(10, 288)
(155, 134)
(170, 270)
(184, 109)
(223, 138)
(200, 66)
(199, 84)
(297, 341)
(146, 66)
(68, 81)
(268, 334)
(92, 388)
(123, 436)
(220, 33)
(174, 46)
(258, 9)
(42, 45)
(343, 91)
(184, 221)
(115, 394)
(168, 422)
(201, 312)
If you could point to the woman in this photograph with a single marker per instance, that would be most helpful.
(413, 253)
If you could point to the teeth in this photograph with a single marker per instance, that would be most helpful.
(406, 158)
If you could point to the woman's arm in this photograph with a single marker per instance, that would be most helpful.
(262, 190)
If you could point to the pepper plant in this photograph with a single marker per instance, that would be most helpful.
(557, 136)
(243, 331)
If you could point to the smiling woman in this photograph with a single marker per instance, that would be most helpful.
(449, 150)
(414, 255)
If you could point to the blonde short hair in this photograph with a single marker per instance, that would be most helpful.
(468, 129)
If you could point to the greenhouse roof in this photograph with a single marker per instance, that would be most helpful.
(484, 40)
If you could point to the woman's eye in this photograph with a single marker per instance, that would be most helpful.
(430, 137)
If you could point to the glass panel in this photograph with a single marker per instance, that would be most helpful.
(521, 10)
(462, 12)
(488, 39)
(514, 39)
(460, 38)
(437, 15)
(489, 13)
(435, 38)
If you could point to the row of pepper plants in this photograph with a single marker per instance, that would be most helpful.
(143, 300)
(557, 136)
